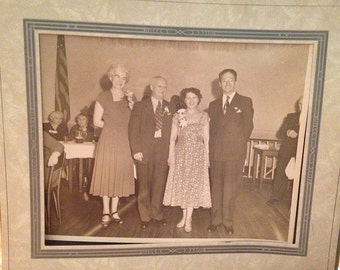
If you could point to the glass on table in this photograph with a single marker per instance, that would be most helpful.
(79, 136)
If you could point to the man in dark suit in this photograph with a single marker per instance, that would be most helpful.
(231, 124)
(149, 136)
(288, 133)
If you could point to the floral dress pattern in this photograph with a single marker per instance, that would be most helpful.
(188, 179)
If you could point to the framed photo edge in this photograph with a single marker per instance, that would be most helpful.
(320, 38)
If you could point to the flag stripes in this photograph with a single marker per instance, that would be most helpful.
(62, 97)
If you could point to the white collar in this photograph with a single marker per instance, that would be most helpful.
(231, 96)
(155, 101)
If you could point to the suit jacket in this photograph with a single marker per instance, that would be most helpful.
(58, 133)
(51, 145)
(142, 128)
(229, 133)
(289, 145)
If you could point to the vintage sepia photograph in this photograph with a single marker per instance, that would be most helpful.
(148, 139)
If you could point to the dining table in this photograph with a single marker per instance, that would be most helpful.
(80, 151)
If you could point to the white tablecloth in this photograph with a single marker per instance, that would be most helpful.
(79, 150)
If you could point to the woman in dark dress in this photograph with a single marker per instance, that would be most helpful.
(113, 175)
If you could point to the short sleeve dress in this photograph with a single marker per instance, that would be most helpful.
(113, 168)
(188, 179)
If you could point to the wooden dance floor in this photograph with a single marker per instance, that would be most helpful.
(253, 219)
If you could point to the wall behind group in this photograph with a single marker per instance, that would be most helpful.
(273, 75)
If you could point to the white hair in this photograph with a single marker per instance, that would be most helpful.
(114, 68)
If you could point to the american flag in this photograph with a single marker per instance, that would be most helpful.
(62, 97)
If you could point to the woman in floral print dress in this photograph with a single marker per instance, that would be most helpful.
(188, 179)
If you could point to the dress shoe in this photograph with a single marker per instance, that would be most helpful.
(106, 220)
(272, 202)
(161, 222)
(144, 224)
(181, 223)
(115, 218)
(229, 229)
(212, 228)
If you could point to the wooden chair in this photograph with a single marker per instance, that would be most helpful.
(53, 189)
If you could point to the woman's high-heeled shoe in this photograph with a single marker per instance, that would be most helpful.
(106, 221)
(188, 227)
(181, 223)
(115, 219)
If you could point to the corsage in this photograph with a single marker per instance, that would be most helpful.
(166, 111)
(129, 95)
(182, 120)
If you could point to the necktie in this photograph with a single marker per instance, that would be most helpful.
(226, 105)
(158, 116)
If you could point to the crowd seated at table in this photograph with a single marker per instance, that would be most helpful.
(57, 129)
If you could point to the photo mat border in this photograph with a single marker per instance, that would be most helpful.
(32, 25)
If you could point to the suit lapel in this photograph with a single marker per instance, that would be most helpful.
(149, 114)
(149, 108)
(163, 105)
(233, 104)
(219, 108)
(218, 111)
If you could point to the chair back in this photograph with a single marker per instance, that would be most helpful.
(53, 188)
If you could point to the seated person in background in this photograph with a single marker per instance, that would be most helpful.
(52, 151)
(289, 134)
(82, 124)
(56, 126)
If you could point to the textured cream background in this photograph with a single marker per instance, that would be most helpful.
(257, 14)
